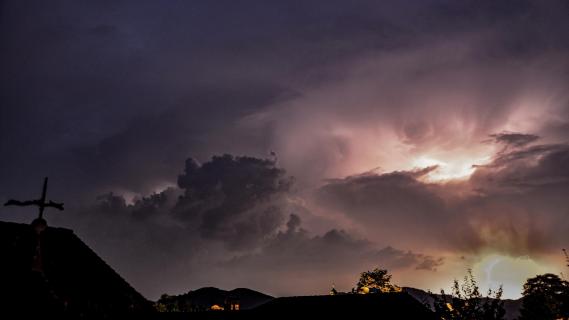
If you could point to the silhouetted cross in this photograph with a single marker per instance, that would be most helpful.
(41, 203)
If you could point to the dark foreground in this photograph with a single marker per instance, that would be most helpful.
(50, 273)
(373, 306)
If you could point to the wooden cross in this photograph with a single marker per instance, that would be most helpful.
(41, 203)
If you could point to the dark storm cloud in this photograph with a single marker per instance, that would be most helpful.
(521, 204)
(390, 202)
(230, 213)
(97, 93)
(322, 260)
(155, 204)
(238, 200)
(516, 204)
(399, 258)
(293, 223)
(442, 90)
(430, 263)
(88, 84)
(514, 139)
(538, 166)
(157, 143)
(114, 95)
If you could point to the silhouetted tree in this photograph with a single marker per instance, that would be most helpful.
(545, 297)
(467, 303)
(377, 280)
(168, 303)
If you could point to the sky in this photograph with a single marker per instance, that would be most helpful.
(288, 146)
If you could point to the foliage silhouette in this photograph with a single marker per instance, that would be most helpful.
(377, 280)
(467, 303)
(545, 297)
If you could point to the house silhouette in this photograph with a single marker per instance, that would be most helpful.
(46, 270)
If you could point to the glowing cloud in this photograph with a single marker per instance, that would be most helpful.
(455, 169)
(510, 272)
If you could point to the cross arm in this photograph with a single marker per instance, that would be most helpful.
(38, 203)
(54, 205)
(13, 202)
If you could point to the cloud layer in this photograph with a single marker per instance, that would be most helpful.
(437, 126)
(230, 213)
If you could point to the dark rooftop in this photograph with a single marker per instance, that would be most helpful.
(71, 279)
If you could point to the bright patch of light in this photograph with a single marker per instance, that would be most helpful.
(458, 169)
(128, 196)
(163, 186)
(131, 197)
(510, 272)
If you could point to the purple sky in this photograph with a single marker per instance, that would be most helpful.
(426, 137)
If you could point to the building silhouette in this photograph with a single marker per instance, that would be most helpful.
(46, 270)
